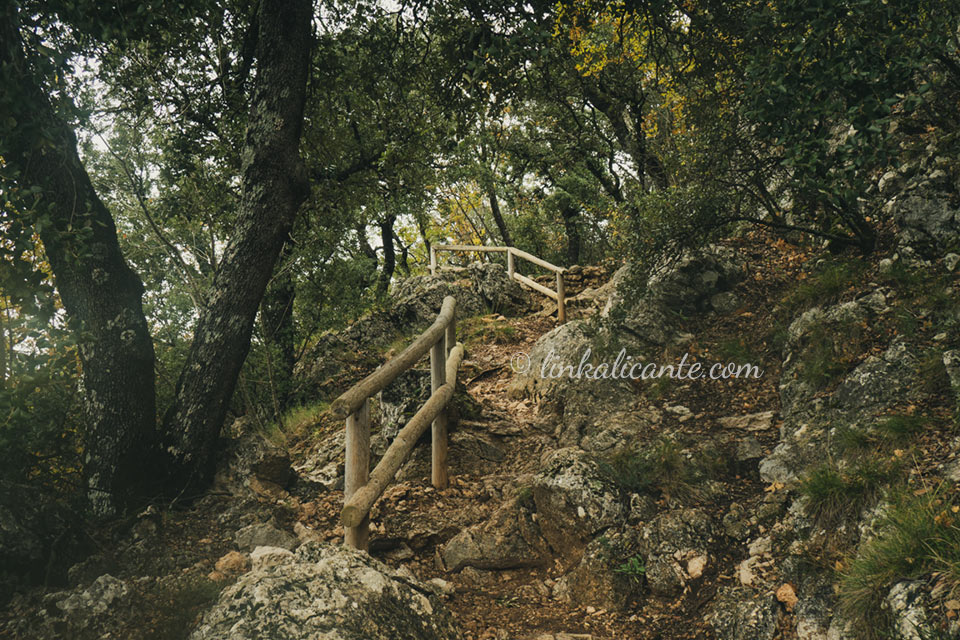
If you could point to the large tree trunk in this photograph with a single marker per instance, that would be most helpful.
(389, 255)
(498, 217)
(274, 186)
(276, 317)
(570, 213)
(100, 292)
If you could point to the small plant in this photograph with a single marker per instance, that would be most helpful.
(835, 495)
(933, 373)
(899, 429)
(735, 350)
(296, 421)
(508, 601)
(831, 352)
(920, 536)
(487, 330)
(663, 467)
(633, 568)
(525, 498)
(825, 285)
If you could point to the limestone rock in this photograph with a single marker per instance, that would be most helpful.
(264, 534)
(739, 614)
(331, 592)
(574, 500)
(264, 558)
(673, 542)
(233, 563)
(509, 538)
(608, 576)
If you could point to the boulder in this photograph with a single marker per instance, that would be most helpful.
(264, 534)
(674, 543)
(575, 500)
(608, 576)
(509, 538)
(929, 221)
(737, 613)
(331, 592)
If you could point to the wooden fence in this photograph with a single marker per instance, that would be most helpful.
(513, 252)
(362, 487)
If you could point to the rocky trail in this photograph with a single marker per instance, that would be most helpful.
(608, 509)
(504, 582)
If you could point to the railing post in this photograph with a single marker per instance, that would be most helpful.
(561, 306)
(510, 261)
(357, 470)
(438, 363)
(450, 337)
(433, 260)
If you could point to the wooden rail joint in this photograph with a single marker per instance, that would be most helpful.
(512, 252)
(363, 487)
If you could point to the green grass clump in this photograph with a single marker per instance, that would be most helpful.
(831, 352)
(900, 429)
(919, 537)
(824, 286)
(663, 468)
(835, 495)
(296, 421)
(486, 330)
(734, 350)
(894, 430)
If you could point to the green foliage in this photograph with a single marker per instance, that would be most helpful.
(919, 537)
(835, 495)
(634, 569)
(829, 352)
(663, 467)
(824, 286)
(486, 330)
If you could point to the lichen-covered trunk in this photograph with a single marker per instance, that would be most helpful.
(274, 186)
(389, 255)
(498, 217)
(100, 292)
(276, 318)
(571, 214)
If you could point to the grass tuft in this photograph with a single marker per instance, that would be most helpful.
(835, 496)
(920, 537)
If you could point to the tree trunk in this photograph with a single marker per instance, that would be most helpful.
(100, 292)
(273, 188)
(276, 315)
(389, 255)
(571, 213)
(497, 217)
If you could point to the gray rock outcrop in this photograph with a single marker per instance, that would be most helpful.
(330, 592)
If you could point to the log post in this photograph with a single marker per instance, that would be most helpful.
(438, 362)
(510, 261)
(561, 307)
(357, 470)
(433, 260)
(451, 335)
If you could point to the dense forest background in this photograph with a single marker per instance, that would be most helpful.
(192, 192)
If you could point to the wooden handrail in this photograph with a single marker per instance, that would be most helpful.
(559, 296)
(359, 504)
(351, 400)
(361, 487)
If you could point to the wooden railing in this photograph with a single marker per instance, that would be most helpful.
(512, 252)
(362, 487)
